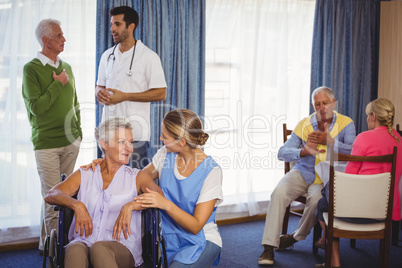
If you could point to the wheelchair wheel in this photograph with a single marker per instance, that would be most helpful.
(45, 251)
(53, 246)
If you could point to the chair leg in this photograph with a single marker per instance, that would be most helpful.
(381, 261)
(387, 246)
(353, 243)
(328, 248)
(384, 252)
(286, 221)
(316, 236)
(395, 233)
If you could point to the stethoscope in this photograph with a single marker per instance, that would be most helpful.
(129, 72)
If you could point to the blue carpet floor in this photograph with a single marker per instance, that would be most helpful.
(242, 248)
(22, 258)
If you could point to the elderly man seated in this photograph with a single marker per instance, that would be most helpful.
(308, 146)
(106, 229)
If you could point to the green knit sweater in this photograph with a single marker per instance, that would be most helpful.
(53, 109)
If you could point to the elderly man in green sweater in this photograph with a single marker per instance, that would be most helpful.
(48, 89)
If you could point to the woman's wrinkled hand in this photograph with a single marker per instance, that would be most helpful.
(123, 223)
(83, 221)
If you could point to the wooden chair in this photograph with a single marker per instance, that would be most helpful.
(396, 224)
(360, 196)
(301, 199)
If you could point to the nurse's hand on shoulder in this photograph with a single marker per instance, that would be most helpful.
(93, 164)
(152, 199)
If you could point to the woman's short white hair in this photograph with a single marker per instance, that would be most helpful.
(326, 90)
(44, 28)
(107, 129)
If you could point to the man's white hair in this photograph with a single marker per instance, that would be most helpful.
(324, 89)
(44, 28)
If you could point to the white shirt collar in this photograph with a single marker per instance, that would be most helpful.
(138, 46)
(45, 60)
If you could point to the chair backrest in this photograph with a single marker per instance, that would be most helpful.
(351, 198)
(286, 133)
(398, 129)
(361, 196)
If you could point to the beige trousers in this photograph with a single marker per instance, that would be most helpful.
(102, 254)
(288, 189)
(51, 163)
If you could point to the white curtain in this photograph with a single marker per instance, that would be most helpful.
(20, 197)
(258, 56)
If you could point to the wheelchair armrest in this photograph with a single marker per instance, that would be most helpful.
(57, 207)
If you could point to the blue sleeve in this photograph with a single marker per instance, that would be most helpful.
(346, 138)
(290, 151)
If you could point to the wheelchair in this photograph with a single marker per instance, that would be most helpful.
(53, 253)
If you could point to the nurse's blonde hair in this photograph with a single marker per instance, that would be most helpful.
(185, 124)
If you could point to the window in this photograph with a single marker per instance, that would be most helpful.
(20, 191)
(257, 78)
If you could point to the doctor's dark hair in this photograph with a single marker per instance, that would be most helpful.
(185, 124)
(130, 15)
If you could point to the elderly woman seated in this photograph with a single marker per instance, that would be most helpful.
(380, 139)
(105, 210)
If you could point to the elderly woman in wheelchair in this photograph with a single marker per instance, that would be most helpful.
(106, 228)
